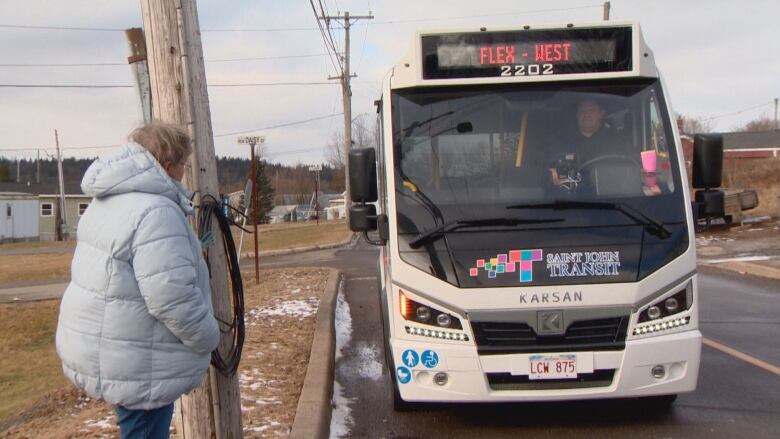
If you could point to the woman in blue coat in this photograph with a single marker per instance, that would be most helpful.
(136, 325)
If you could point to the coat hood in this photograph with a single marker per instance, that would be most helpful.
(132, 168)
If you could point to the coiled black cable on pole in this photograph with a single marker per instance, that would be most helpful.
(212, 208)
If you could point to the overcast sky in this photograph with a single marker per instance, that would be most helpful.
(720, 59)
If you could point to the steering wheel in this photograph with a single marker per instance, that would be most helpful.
(607, 158)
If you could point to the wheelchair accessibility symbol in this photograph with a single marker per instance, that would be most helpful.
(429, 359)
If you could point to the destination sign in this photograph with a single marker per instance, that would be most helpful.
(526, 53)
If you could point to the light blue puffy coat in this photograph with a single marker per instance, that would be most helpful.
(136, 326)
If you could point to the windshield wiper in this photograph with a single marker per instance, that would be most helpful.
(439, 231)
(653, 226)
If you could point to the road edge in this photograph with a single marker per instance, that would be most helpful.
(312, 416)
(745, 268)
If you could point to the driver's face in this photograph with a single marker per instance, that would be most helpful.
(589, 117)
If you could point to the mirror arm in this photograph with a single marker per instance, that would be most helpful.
(371, 241)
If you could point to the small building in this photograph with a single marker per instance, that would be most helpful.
(742, 145)
(19, 213)
(46, 206)
(337, 208)
(283, 214)
(751, 144)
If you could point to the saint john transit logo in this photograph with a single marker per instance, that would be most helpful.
(514, 261)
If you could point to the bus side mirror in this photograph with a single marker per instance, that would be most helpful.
(362, 175)
(707, 161)
(362, 217)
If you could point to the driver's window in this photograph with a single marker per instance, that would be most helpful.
(656, 165)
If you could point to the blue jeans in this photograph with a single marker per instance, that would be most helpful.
(144, 424)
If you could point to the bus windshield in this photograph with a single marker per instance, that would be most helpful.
(473, 152)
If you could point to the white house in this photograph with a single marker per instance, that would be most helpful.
(18, 217)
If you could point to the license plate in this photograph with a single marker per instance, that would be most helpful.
(552, 367)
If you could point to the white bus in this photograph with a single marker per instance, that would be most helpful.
(534, 219)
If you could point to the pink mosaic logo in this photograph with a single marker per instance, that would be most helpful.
(514, 261)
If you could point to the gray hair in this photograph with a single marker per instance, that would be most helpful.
(168, 143)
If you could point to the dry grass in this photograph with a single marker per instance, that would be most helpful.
(29, 366)
(54, 266)
(293, 235)
(37, 244)
(49, 266)
(763, 175)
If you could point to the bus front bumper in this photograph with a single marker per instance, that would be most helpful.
(494, 378)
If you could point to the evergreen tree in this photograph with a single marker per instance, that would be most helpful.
(265, 194)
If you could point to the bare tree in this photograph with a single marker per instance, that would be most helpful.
(763, 123)
(694, 125)
(334, 153)
(364, 135)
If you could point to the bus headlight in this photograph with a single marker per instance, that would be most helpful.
(668, 306)
(422, 314)
(426, 315)
(663, 314)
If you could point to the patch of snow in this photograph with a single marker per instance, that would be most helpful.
(368, 365)
(101, 423)
(756, 219)
(341, 416)
(292, 308)
(295, 291)
(737, 259)
(262, 428)
(343, 321)
(707, 240)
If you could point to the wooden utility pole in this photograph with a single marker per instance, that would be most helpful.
(346, 91)
(606, 11)
(179, 95)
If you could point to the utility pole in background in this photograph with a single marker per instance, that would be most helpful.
(252, 141)
(63, 217)
(316, 168)
(140, 68)
(38, 168)
(179, 96)
(18, 170)
(346, 92)
(606, 11)
(776, 125)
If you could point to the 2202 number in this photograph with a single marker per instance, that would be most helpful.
(527, 70)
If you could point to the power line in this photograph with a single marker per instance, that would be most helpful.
(294, 29)
(328, 41)
(738, 112)
(299, 122)
(257, 84)
(262, 58)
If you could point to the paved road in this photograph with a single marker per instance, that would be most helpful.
(734, 398)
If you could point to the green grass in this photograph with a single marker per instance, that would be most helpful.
(29, 366)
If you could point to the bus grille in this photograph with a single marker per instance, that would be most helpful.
(505, 381)
(605, 334)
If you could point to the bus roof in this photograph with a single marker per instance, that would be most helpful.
(538, 53)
